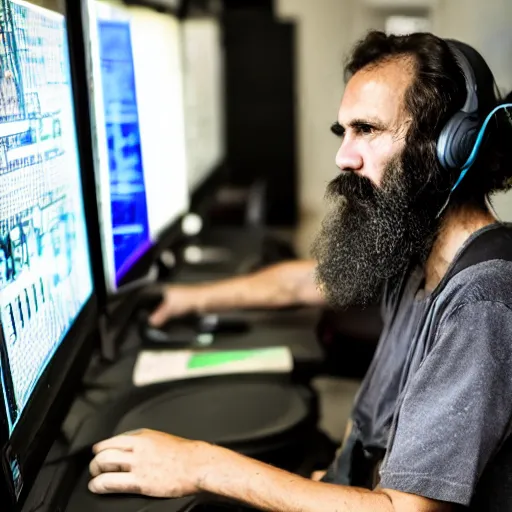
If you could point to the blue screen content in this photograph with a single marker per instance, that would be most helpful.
(130, 223)
(45, 274)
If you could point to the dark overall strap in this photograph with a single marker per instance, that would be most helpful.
(494, 244)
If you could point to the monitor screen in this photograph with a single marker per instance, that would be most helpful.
(120, 168)
(139, 129)
(204, 98)
(45, 276)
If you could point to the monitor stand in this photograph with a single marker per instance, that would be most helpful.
(121, 307)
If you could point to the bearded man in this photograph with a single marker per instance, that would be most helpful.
(431, 426)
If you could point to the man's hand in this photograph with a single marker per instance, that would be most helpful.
(145, 462)
(177, 301)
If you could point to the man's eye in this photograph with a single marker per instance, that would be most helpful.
(365, 129)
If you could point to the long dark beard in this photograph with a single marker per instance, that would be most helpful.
(372, 234)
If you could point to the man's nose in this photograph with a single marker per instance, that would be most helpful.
(348, 158)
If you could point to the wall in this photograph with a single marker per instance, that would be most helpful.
(485, 25)
(326, 29)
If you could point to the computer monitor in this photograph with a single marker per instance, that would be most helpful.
(204, 98)
(47, 307)
(137, 113)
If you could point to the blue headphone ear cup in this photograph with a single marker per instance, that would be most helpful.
(456, 140)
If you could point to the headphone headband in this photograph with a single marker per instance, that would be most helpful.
(471, 103)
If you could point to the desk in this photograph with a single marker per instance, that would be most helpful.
(294, 329)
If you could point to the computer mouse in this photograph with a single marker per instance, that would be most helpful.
(173, 334)
(222, 324)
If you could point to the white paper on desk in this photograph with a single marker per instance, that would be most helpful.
(152, 366)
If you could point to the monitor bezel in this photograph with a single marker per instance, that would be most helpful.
(40, 421)
(80, 72)
(142, 264)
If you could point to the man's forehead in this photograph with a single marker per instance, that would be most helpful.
(377, 93)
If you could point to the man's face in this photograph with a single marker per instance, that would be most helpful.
(376, 224)
(374, 119)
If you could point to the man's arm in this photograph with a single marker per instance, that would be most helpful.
(161, 465)
(233, 476)
(280, 285)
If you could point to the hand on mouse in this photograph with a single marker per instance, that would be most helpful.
(146, 462)
(177, 301)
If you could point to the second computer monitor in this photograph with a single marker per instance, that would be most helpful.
(138, 115)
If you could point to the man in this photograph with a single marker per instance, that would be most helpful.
(433, 419)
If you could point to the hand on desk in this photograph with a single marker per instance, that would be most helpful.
(145, 462)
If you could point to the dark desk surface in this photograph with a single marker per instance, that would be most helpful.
(106, 382)
(291, 328)
(84, 501)
(294, 329)
(238, 252)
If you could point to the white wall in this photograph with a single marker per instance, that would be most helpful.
(367, 17)
(485, 25)
(326, 30)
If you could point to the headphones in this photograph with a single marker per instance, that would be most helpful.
(459, 135)
(462, 136)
